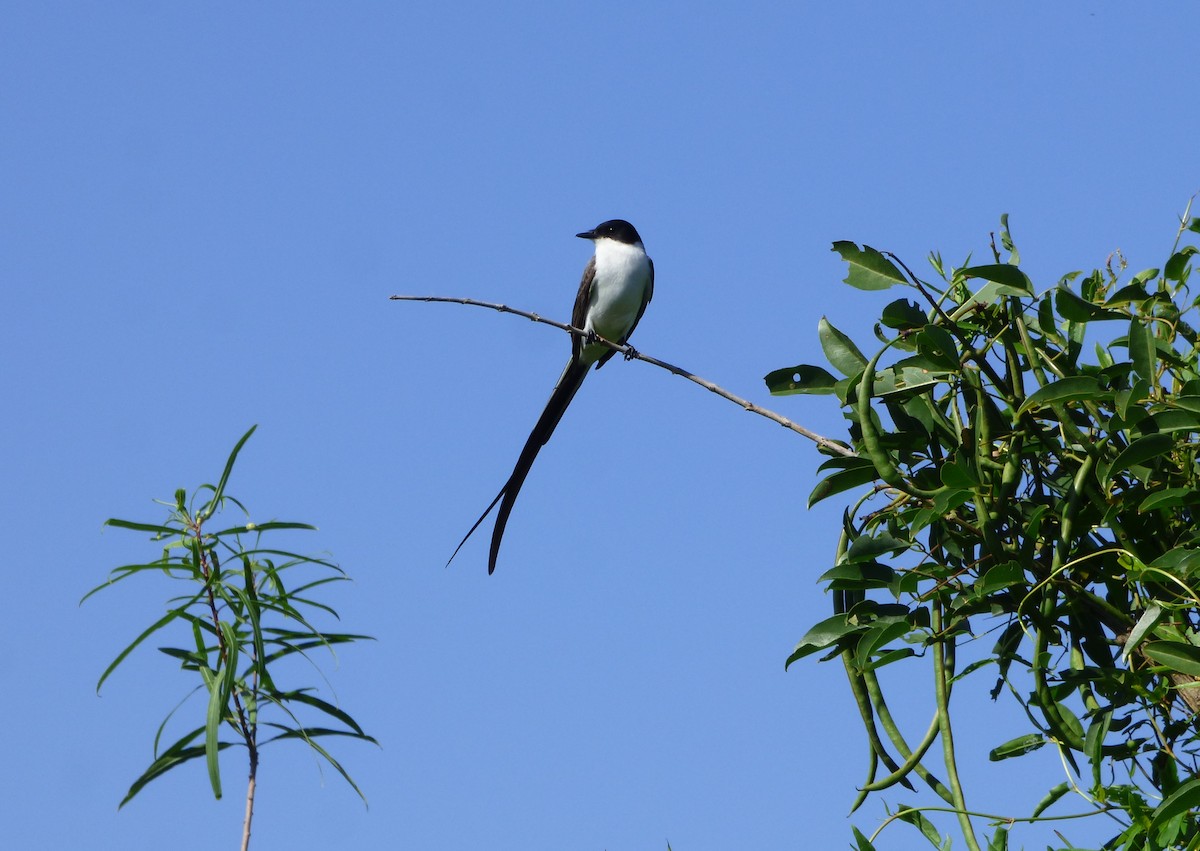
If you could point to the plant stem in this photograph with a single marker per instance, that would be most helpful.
(941, 680)
(250, 786)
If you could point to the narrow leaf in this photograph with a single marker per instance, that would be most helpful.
(150, 630)
(1182, 800)
(141, 527)
(1146, 622)
(176, 755)
(317, 703)
(219, 491)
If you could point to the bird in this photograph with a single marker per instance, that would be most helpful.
(617, 284)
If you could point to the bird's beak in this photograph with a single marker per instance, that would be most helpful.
(587, 234)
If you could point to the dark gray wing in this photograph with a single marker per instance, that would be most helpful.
(583, 300)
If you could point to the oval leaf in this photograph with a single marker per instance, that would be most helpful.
(1012, 279)
(869, 270)
(1184, 658)
(1139, 452)
(840, 349)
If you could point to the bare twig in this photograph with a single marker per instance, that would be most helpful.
(631, 353)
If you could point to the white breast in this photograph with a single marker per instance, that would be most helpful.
(618, 289)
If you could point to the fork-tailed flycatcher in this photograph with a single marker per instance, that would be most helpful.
(618, 283)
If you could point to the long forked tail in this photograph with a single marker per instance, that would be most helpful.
(564, 391)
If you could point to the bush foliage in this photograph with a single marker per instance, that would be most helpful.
(1024, 473)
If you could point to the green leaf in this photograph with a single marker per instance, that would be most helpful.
(1169, 498)
(903, 315)
(1094, 742)
(323, 706)
(219, 490)
(1135, 291)
(1184, 658)
(1074, 388)
(1076, 309)
(142, 527)
(800, 379)
(1011, 279)
(1187, 403)
(869, 270)
(820, 636)
(868, 548)
(918, 820)
(956, 475)
(1141, 350)
(269, 526)
(1139, 452)
(1006, 241)
(1183, 800)
(174, 756)
(150, 630)
(1175, 270)
(843, 480)
(877, 637)
(937, 344)
(218, 701)
(999, 841)
(1017, 747)
(861, 843)
(1001, 576)
(309, 734)
(1168, 421)
(840, 349)
(1147, 622)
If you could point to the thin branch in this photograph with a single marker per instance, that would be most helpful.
(631, 353)
(250, 787)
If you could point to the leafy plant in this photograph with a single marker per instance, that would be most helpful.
(1027, 474)
(246, 609)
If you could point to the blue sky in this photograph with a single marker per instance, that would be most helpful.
(203, 210)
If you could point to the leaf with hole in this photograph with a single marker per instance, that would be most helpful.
(869, 270)
(802, 378)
